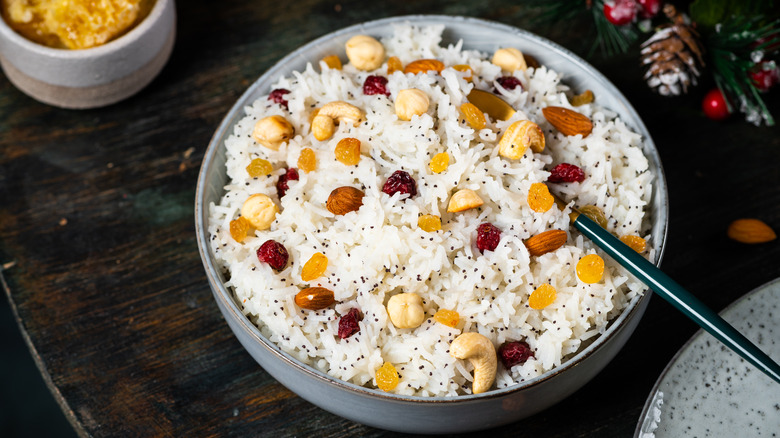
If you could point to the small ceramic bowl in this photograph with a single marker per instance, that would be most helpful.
(93, 77)
(427, 415)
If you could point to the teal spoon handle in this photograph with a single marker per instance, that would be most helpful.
(675, 294)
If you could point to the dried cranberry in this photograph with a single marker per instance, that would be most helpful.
(400, 181)
(508, 83)
(277, 96)
(513, 353)
(566, 172)
(488, 236)
(281, 185)
(348, 324)
(273, 253)
(375, 85)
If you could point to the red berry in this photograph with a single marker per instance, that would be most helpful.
(765, 75)
(567, 173)
(488, 236)
(277, 96)
(508, 83)
(513, 353)
(375, 85)
(620, 12)
(348, 324)
(281, 185)
(400, 181)
(770, 42)
(649, 8)
(273, 253)
(714, 105)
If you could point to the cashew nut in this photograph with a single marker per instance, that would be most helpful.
(509, 59)
(272, 131)
(365, 52)
(260, 211)
(323, 125)
(480, 351)
(411, 102)
(405, 310)
(463, 200)
(518, 137)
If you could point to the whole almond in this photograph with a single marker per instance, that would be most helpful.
(567, 121)
(545, 242)
(424, 65)
(314, 298)
(344, 199)
(751, 231)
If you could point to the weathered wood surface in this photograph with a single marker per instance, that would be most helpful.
(96, 209)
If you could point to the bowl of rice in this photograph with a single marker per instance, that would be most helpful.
(390, 250)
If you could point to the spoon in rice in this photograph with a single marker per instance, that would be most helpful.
(645, 271)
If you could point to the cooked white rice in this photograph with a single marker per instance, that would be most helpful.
(379, 250)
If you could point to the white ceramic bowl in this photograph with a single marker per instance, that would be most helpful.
(437, 414)
(93, 77)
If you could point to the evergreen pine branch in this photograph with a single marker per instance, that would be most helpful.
(612, 39)
(731, 48)
(556, 11)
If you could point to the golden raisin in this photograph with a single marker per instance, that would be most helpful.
(393, 65)
(429, 223)
(472, 114)
(315, 267)
(348, 151)
(307, 161)
(449, 318)
(439, 162)
(466, 69)
(332, 61)
(386, 377)
(239, 228)
(636, 243)
(259, 167)
(539, 198)
(590, 268)
(542, 297)
(595, 214)
(582, 99)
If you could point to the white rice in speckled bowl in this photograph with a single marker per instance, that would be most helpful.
(379, 250)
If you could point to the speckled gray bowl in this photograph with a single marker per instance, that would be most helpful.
(707, 390)
(436, 414)
(93, 77)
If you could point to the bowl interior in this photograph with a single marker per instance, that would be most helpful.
(476, 34)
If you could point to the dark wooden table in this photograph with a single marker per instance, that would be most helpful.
(96, 211)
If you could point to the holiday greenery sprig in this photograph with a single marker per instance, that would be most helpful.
(614, 38)
(734, 42)
(737, 53)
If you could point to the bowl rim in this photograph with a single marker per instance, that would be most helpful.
(228, 302)
(114, 45)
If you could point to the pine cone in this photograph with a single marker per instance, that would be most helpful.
(673, 56)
